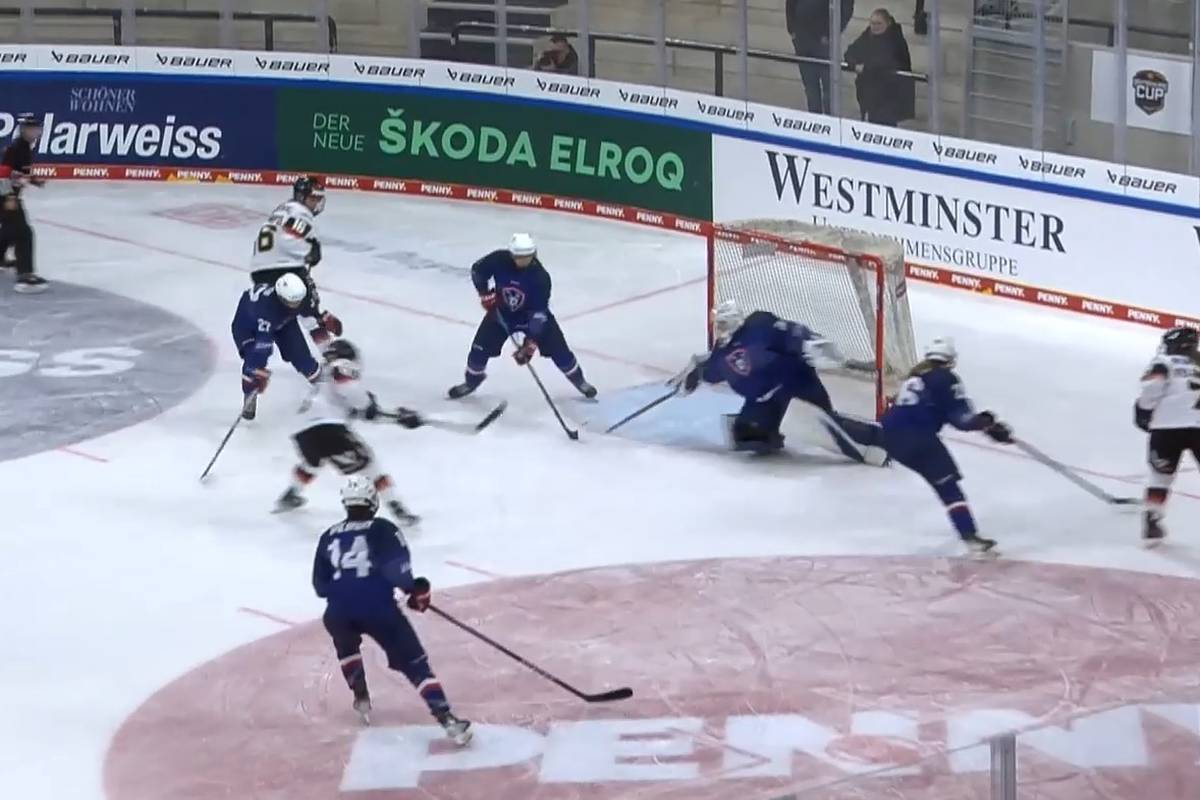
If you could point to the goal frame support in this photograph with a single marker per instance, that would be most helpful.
(813, 250)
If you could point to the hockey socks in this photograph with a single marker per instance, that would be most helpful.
(433, 695)
(955, 501)
(355, 675)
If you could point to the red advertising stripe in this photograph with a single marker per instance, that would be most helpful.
(590, 208)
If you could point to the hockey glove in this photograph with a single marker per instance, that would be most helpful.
(421, 595)
(823, 354)
(331, 323)
(525, 353)
(686, 381)
(408, 418)
(1141, 417)
(487, 300)
(314, 253)
(996, 430)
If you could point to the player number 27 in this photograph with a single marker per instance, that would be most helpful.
(357, 558)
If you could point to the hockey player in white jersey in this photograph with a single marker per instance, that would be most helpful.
(338, 396)
(1169, 409)
(287, 243)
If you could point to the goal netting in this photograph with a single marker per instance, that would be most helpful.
(845, 285)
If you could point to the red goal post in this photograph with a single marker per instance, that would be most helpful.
(847, 286)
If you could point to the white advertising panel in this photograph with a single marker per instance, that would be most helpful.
(1157, 90)
(1018, 235)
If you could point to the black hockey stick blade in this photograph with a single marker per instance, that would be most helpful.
(492, 416)
(652, 404)
(623, 693)
(571, 433)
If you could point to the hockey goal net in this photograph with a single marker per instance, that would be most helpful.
(845, 285)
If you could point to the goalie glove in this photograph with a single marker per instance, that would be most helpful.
(823, 354)
(686, 381)
(525, 353)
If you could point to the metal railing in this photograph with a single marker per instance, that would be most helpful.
(268, 19)
(718, 51)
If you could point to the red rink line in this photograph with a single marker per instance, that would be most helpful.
(477, 570)
(465, 323)
(637, 298)
(377, 301)
(254, 612)
(82, 454)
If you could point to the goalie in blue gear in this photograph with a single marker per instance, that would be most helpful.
(514, 290)
(931, 397)
(771, 362)
(266, 319)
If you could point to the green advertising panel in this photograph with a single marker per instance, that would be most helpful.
(498, 145)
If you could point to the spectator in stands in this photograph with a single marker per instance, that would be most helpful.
(559, 57)
(884, 97)
(808, 24)
(921, 20)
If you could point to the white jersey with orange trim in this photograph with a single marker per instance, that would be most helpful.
(1171, 390)
(334, 400)
(285, 239)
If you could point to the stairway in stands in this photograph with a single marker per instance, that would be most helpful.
(478, 47)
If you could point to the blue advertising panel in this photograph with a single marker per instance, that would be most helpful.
(115, 119)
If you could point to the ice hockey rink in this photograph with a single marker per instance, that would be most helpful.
(791, 627)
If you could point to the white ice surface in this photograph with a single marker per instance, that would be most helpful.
(124, 573)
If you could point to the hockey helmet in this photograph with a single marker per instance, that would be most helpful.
(291, 290)
(521, 245)
(941, 351)
(307, 186)
(343, 358)
(726, 318)
(1180, 341)
(360, 491)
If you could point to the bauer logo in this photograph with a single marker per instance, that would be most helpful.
(193, 63)
(724, 112)
(383, 69)
(103, 100)
(1153, 186)
(812, 127)
(91, 59)
(963, 154)
(1150, 90)
(647, 100)
(568, 89)
(11, 58)
(480, 79)
(292, 66)
(1040, 166)
(888, 141)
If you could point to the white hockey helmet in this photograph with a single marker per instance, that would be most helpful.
(726, 317)
(941, 350)
(360, 491)
(291, 289)
(522, 245)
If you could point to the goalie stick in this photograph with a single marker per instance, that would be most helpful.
(599, 697)
(455, 426)
(1073, 476)
(249, 399)
(652, 404)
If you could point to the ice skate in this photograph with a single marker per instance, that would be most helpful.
(1153, 532)
(31, 284)
(403, 515)
(289, 500)
(362, 705)
(461, 390)
(979, 547)
(250, 408)
(457, 730)
(586, 389)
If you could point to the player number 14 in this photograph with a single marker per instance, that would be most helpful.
(357, 558)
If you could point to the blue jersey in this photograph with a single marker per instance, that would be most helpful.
(259, 317)
(523, 292)
(358, 566)
(932, 396)
(763, 357)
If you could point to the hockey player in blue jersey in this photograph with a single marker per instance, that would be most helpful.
(266, 319)
(932, 397)
(359, 564)
(770, 362)
(514, 290)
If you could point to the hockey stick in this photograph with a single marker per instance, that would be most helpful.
(1072, 476)
(249, 399)
(643, 410)
(572, 434)
(600, 697)
(457, 427)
